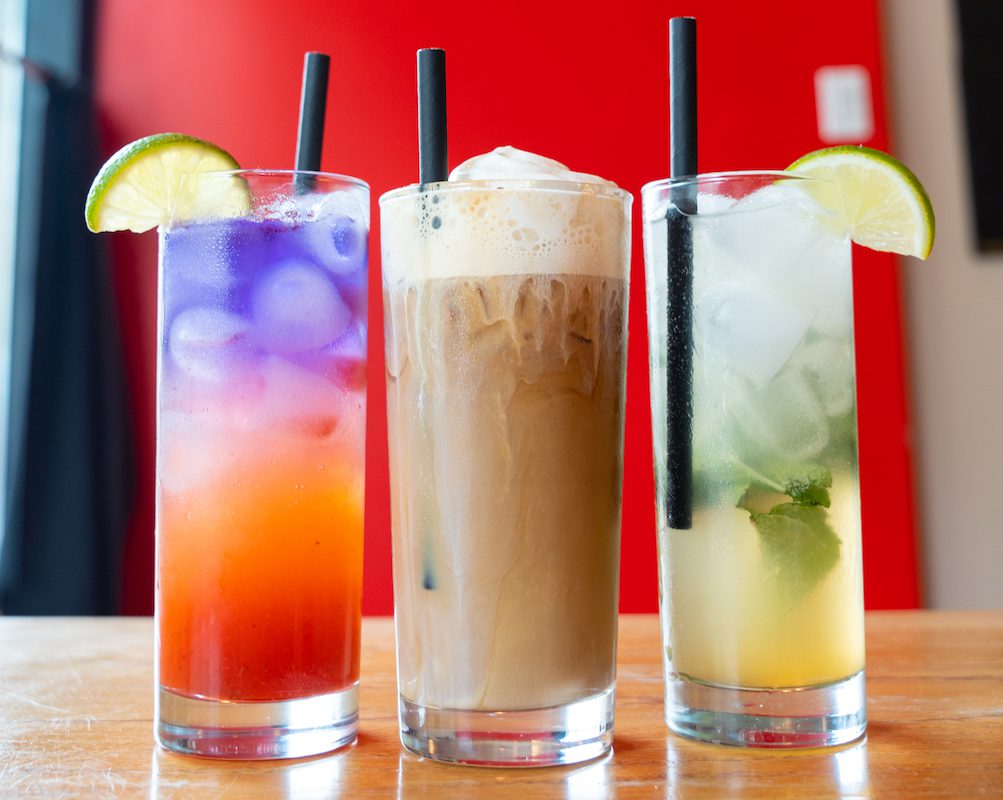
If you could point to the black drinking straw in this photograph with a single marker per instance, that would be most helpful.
(679, 239)
(433, 164)
(313, 105)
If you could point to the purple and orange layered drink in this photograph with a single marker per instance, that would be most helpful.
(260, 458)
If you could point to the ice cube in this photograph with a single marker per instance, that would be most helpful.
(296, 308)
(343, 362)
(345, 201)
(288, 209)
(712, 435)
(825, 286)
(783, 417)
(354, 290)
(208, 343)
(252, 244)
(753, 331)
(198, 253)
(348, 358)
(707, 204)
(191, 451)
(351, 345)
(327, 200)
(828, 366)
(773, 232)
(196, 265)
(294, 400)
(340, 245)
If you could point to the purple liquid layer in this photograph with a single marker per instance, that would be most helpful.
(238, 293)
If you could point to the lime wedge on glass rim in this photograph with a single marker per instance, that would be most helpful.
(150, 182)
(884, 205)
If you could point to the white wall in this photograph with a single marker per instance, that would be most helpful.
(954, 308)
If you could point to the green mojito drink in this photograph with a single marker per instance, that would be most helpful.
(761, 583)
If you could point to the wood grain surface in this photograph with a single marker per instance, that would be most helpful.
(76, 706)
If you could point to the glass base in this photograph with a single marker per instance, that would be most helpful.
(542, 737)
(813, 716)
(288, 729)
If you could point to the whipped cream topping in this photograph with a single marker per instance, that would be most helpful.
(511, 162)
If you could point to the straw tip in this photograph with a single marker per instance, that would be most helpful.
(683, 24)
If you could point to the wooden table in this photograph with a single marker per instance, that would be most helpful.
(76, 721)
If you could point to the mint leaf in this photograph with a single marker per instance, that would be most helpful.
(799, 546)
(812, 490)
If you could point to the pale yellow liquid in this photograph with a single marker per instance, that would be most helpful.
(729, 621)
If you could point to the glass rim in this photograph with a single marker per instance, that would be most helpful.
(727, 176)
(290, 174)
(601, 190)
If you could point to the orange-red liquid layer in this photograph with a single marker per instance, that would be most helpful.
(260, 577)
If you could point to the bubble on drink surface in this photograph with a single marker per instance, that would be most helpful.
(320, 201)
(753, 330)
(297, 308)
(208, 343)
(503, 211)
(288, 209)
(532, 229)
(784, 417)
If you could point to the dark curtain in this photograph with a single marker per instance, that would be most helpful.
(69, 468)
(980, 28)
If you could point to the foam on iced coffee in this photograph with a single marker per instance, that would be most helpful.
(502, 213)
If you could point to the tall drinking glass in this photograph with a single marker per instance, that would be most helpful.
(761, 597)
(260, 458)
(506, 348)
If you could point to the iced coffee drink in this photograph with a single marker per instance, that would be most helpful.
(505, 295)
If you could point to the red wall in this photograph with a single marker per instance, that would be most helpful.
(582, 82)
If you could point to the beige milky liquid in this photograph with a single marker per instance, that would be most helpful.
(505, 403)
